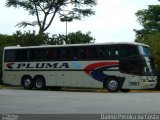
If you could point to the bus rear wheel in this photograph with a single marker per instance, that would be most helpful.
(27, 82)
(39, 83)
(112, 84)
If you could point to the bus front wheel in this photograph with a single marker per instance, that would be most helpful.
(27, 82)
(112, 84)
(39, 83)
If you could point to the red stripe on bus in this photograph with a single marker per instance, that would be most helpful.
(93, 66)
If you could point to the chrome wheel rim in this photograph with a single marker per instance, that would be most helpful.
(113, 85)
(27, 82)
(39, 83)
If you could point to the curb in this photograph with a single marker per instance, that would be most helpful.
(91, 90)
(3, 86)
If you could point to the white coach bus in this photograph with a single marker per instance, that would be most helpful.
(114, 66)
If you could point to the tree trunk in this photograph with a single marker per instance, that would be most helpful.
(41, 31)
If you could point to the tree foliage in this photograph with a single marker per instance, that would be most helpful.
(30, 38)
(46, 10)
(72, 38)
(154, 42)
(150, 21)
(150, 33)
(79, 37)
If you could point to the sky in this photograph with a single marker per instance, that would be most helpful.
(114, 20)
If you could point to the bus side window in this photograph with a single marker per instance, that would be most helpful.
(127, 51)
(76, 54)
(66, 53)
(37, 54)
(103, 53)
(108, 52)
(10, 55)
(93, 53)
(21, 55)
(40, 54)
(32, 55)
(53, 54)
(84, 53)
(113, 52)
(49, 54)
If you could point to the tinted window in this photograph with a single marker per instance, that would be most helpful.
(53, 53)
(89, 52)
(9, 55)
(76, 54)
(66, 53)
(21, 55)
(37, 54)
(93, 52)
(128, 50)
(108, 52)
(84, 52)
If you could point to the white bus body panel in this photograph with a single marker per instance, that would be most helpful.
(72, 74)
(58, 76)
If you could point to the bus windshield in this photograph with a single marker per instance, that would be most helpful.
(145, 51)
(148, 62)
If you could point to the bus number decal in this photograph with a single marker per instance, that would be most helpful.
(133, 83)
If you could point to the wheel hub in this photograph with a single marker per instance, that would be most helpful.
(27, 82)
(113, 85)
(39, 83)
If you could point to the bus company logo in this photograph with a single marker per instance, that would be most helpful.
(10, 65)
(37, 65)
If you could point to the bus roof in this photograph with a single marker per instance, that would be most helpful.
(70, 45)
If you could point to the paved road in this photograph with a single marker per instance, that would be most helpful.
(18, 101)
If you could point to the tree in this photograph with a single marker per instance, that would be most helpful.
(79, 37)
(72, 38)
(30, 38)
(46, 10)
(150, 21)
(154, 42)
(150, 33)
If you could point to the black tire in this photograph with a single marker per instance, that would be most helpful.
(39, 83)
(124, 90)
(112, 84)
(27, 82)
